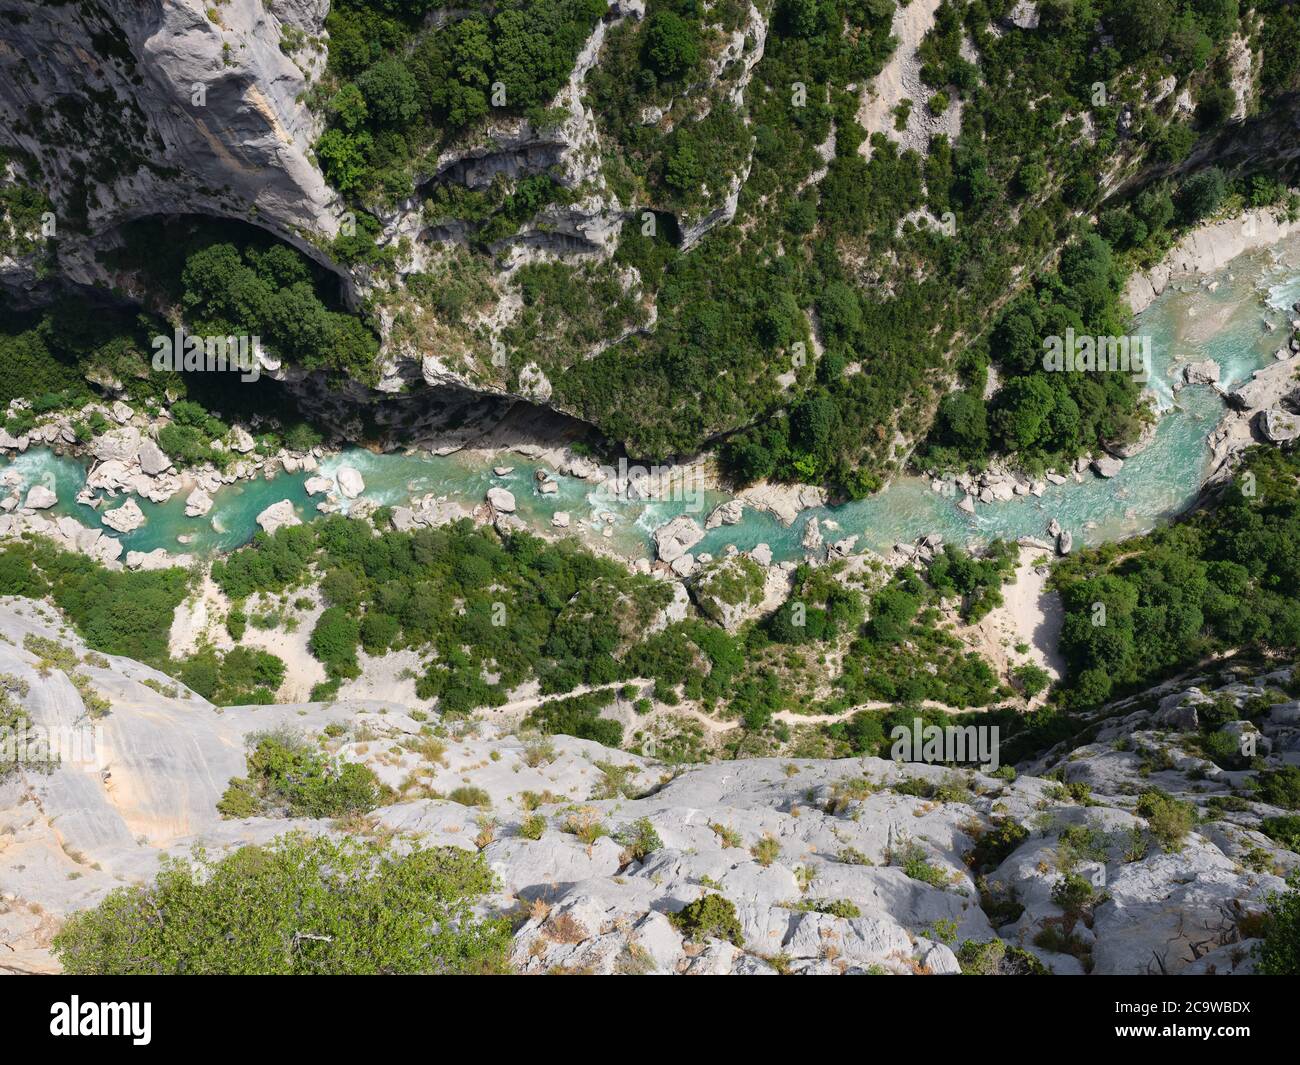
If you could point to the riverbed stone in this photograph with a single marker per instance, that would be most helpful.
(350, 482)
(728, 513)
(502, 500)
(1201, 372)
(1107, 465)
(40, 498)
(674, 538)
(197, 503)
(278, 516)
(126, 518)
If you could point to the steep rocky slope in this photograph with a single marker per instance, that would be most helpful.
(832, 866)
(119, 109)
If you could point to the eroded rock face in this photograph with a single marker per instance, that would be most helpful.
(173, 111)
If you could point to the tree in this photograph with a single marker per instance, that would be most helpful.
(343, 158)
(962, 423)
(840, 311)
(334, 641)
(300, 906)
(390, 92)
(1023, 408)
(1202, 193)
(1278, 954)
(1140, 26)
(671, 45)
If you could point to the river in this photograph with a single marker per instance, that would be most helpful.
(1226, 325)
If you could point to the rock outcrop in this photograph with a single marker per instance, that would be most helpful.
(179, 108)
(832, 866)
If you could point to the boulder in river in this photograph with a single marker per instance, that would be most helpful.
(1107, 465)
(40, 498)
(1202, 372)
(277, 516)
(674, 538)
(502, 501)
(350, 482)
(728, 513)
(197, 503)
(126, 518)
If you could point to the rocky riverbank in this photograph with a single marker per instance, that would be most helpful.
(1209, 248)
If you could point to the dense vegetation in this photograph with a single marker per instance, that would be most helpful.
(299, 906)
(511, 609)
(1224, 578)
(397, 92)
(118, 612)
(217, 279)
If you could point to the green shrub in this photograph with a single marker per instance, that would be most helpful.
(300, 906)
(709, 917)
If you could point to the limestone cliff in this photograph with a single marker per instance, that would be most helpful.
(859, 865)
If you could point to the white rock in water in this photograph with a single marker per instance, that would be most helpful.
(967, 504)
(728, 513)
(501, 500)
(762, 554)
(315, 486)
(40, 498)
(350, 483)
(197, 503)
(277, 516)
(1204, 372)
(560, 519)
(812, 535)
(1107, 465)
(126, 518)
(503, 471)
(1065, 542)
(548, 488)
(674, 538)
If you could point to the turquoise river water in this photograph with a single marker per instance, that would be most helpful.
(1227, 325)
